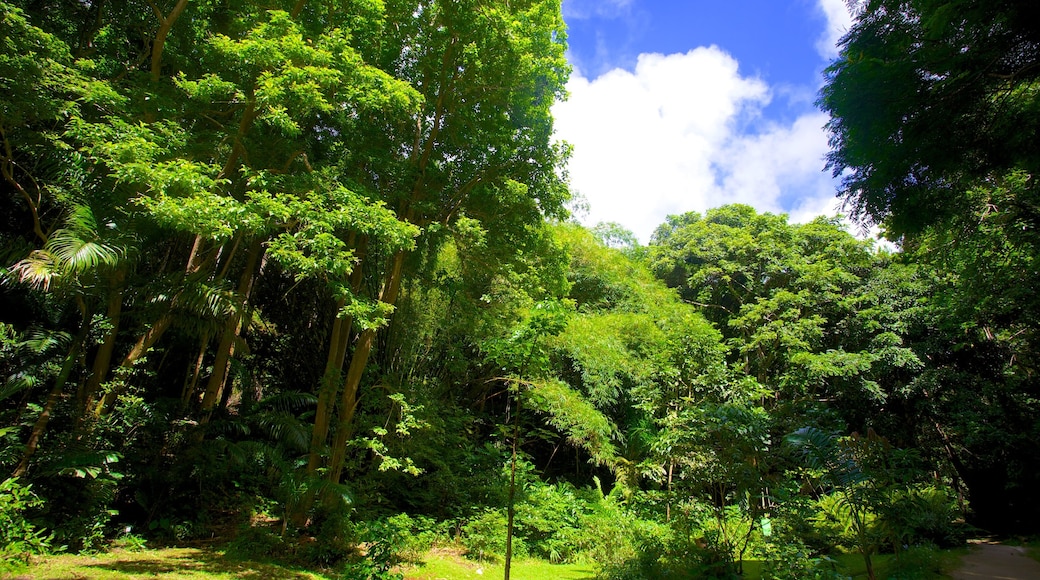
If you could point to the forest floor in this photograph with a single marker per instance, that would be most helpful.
(995, 561)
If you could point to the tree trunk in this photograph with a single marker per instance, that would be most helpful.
(358, 361)
(191, 379)
(328, 390)
(232, 328)
(103, 358)
(668, 494)
(52, 399)
(511, 503)
(154, 333)
(159, 43)
(147, 340)
(339, 341)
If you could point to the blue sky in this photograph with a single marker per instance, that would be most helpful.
(686, 105)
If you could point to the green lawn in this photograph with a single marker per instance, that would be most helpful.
(166, 563)
(212, 564)
(208, 564)
(451, 566)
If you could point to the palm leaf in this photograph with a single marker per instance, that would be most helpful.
(821, 450)
(17, 383)
(39, 270)
(289, 401)
(81, 246)
(285, 429)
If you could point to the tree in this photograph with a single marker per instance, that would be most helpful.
(275, 176)
(934, 107)
(788, 299)
(928, 98)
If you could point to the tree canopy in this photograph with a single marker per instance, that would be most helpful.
(928, 99)
(300, 275)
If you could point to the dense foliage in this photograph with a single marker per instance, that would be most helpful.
(299, 276)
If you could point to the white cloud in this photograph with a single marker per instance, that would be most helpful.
(675, 135)
(839, 19)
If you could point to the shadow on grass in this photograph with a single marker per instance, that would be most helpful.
(198, 561)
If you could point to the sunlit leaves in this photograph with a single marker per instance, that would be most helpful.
(584, 424)
(73, 254)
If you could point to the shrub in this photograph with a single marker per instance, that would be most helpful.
(416, 535)
(256, 543)
(19, 538)
(484, 537)
(923, 515)
(793, 560)
(916, 563)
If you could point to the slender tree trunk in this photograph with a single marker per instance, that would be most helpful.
(159, 43)
(191, 380)
(328, 390)
(33, 442)
(339, 341)
(7, 168)
(668, 493)
(145, 342)
(358, 361)
(511, 503)
(103, 358)
(861, 535)
(232, 329)
(155, 332)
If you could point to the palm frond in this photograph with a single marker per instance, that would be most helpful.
(822, 450)
(79, 255)
(330, 492)
(39, 270)
(289, 401)
(230, 428)
(206, 300)
(284, 429)
(17, 383)
(44, 342)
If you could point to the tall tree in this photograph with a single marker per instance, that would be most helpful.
(928, 98)
(935, 117)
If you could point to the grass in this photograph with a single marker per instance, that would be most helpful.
(440, 564)
(914, 564)
(209, 564)
(448, 564)
(167, 563)
(1032, 546)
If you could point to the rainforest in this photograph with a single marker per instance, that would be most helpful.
(300, 281)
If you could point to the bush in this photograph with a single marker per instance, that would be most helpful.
(923, 515)
(417, 535)
(382, 543)
(254, 543)
(484, 537)
(19, 538)
(792, 560)
(550, 521)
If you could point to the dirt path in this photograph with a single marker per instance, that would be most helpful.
(995, 561)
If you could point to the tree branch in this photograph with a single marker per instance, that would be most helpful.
(7, 169)
(165, 24)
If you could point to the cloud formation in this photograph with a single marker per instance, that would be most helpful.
(839, 20)
(684, 132)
